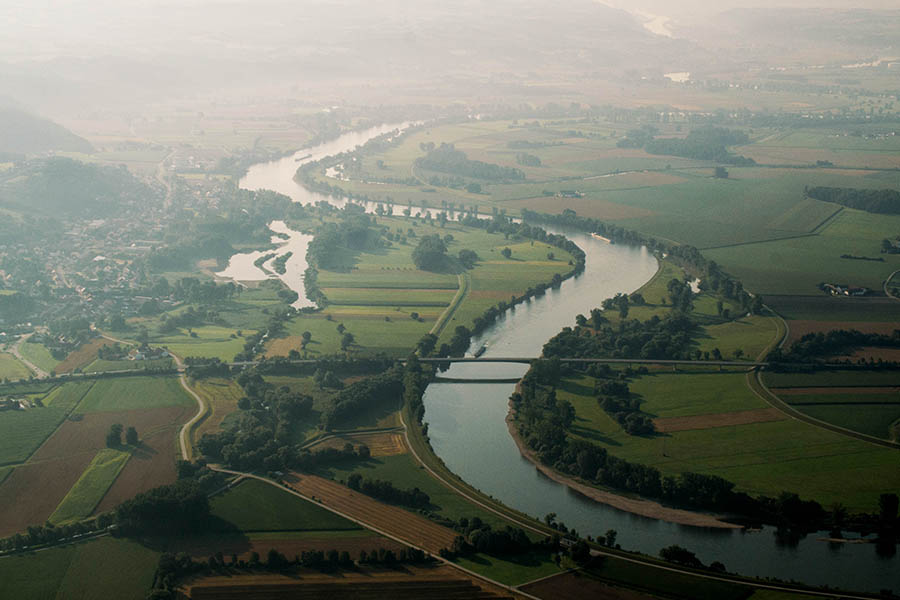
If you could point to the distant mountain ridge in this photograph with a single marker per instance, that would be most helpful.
(25, 133)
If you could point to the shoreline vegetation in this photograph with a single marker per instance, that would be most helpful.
(637, 506)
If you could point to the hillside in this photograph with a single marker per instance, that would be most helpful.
(24, 133)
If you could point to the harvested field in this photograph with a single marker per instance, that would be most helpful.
(32, 492)
(741, 417)
(799, 328)
(380, 444)
(153, 463)
(289, 543)
(82, 357)
(578, 586)
(400, 523)
(221, 396)
(434, 583)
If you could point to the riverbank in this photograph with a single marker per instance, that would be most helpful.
(637, 506)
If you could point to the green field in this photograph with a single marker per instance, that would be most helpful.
(256, 506)
(23, 431)
(87, 570)
(90, 488)
(761, 458)
(798, 265)
(133, 393)
(511, 570)
(666, 583)
(835, 378)
(11, 368)
(39, 355)
(100, 365)
(404, 472)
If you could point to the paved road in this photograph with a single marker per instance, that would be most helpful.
(38, 372)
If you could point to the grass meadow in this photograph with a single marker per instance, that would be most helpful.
(88, 570)
(132, 393)
(256, 506)
(761, 458)
(11, 368)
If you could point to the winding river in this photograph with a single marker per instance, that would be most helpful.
(468, 430)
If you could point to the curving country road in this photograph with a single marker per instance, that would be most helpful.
(38, 372)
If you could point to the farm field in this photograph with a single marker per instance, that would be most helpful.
(832, 379)
(374, 295)
(256, 506)
(21, 432)
(221, 398)
(83, 356)
(99, 365)
(404, 472)
(511, 570)
(90, 488)
(761, 457)
(87, 570)
(666, 196)
(863, 313)
(403, 524)
(870, 410)
(133, 393)
(11, 368)
(410, 582)
(39, 355)
(796, 266)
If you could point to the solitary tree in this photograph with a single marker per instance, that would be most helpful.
(131, 436)
(721, 173)
(114, 436)
(347, 341)
(506, 252)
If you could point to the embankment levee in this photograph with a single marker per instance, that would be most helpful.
(637, 506)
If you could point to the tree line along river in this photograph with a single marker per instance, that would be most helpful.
(467, 421)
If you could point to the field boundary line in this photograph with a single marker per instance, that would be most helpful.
(462, 291)
(52, 433)
(754, 381)
(340, 513)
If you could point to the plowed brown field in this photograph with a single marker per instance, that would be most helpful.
(153, 464)
(31, 493)
(82, 357)
(402, 524)
(741, 417)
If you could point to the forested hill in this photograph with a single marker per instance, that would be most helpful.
(24, 133)
(64, 186)
(886, 202)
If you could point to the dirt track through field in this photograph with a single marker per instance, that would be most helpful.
(395, 521)
(742, 417)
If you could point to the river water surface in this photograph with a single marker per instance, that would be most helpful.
(467, 422)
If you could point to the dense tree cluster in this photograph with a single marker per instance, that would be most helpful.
(528, 160)
(262, 434)
(430, 254)
(669, 337)
(885, 201)
(706, 143)
(385, 491)
(447, 159)
(177, 508)
(836, 342)
(385, 388)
